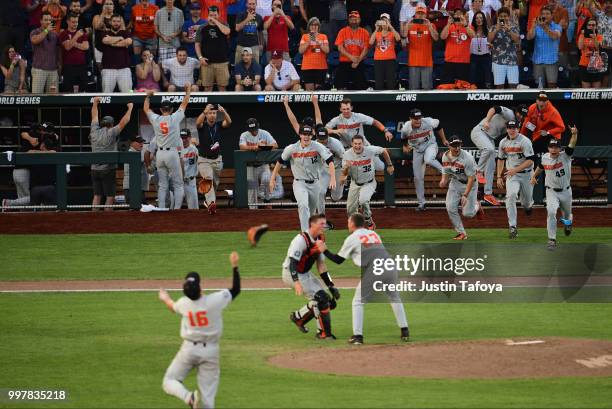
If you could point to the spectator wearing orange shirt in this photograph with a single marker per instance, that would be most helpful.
(420, 35)
(221, 5)
(315, 47)
(143, 26)
(458, 36)
(352, 42)
(385, 60)
(583, 13)
(57, 12)
(589, 42)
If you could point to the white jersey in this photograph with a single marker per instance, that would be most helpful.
(190, 161)
(353, 125)
(459, 168)
(352, 244)
(515, 151)
(497, 125)
(203, 319)
(361, 166)
(421, 137)
(337, 149)
(558, 170)
(306, 161)
(167, 128)
(263, 137)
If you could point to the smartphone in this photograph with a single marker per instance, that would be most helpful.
(587, 32)
(418, 20)
(313, 36)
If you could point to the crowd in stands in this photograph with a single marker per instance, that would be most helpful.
(70, 46)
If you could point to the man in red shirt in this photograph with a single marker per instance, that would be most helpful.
(420, 35)
(277, 26)
(143, 26)
(221, 5)
(74, 56)
(458, 35)
(353, 44)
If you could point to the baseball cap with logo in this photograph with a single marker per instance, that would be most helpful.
(305, 129)
(554, 142)
(385, 15)
(416, 113)
(137, 138)
(354, 13)
(511, 124)
(252, 124)
(542, 96)
(247, 50)
(277, 55)
(185, 133)
(321, 132)
(455, 140)
(522, 108)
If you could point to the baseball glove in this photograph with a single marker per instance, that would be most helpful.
(204, 186)
(254, 234)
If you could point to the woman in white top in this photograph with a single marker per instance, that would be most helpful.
(480, 59)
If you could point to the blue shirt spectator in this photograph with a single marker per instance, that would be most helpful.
(546, 49)
(190, 28)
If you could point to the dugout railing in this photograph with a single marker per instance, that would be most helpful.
(243, 158)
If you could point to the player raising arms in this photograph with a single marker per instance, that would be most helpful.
(201, 328)
(358, 162)
(460, 169)
(301, 256)
(557, 166)
(516, 153)
(418, 137)
(351, 247)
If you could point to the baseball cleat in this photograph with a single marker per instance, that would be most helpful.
(528, 211)
(481, 178)
(194, 400)
(405, 334)
(420, 208)
(212, 208)
(330, 337)
(513, 232)
(460, 236)
(492, 200)
(480, 214)
(297, 323)
(552, 244)
(356, 340)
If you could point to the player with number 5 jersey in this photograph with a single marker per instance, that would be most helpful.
(201, 329)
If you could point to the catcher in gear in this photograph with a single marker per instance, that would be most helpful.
(254, 233)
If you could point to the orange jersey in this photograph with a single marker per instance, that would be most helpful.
(143, 21)
(547, 119)
(588, 46)
(314, 57)
(353, 42)
(221, 5)
(419, 46)
(384, 46)
(457, 45)
(57, 14)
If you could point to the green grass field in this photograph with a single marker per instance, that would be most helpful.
(110, 350)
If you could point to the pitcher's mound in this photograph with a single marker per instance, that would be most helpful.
(500, 358)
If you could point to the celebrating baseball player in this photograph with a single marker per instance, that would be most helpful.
(352, 246)
(557, 166)
(306, 157)
(460, 168)
(189, 155)
(484, 135)
(418, 137)
(358, 162)
(167, 138)
(516, 154)
(301, 256)
(256, 139)
(201, 329)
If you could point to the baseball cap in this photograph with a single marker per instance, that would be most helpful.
(195, 6)
(308, 120)
(252, 124)
(192, 276)
(522, 108)
(416, 113)
(247, 50)
(185, 133)
(385, 15)
(276, 55)
(213, 8)
(305, 129)
(108, 121)
(421, 9)
(455, 140)
(554, 142)
(511, 124)
(166, 105)
(321, 132)
(48, 126)
(542, 96)
(137, 139)
(354, 13)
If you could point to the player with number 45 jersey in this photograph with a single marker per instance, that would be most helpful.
(201, 329)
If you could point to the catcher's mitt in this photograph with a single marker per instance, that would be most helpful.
(254, 234)
(204, 186)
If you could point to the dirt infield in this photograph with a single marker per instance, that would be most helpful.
(282, 219)
(486, 359)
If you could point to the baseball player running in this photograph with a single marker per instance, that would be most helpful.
(256, 139)
(358, 162)
(557, 166)
(418, 137)
(305, 157)
(351, 247)
(201, 328)
(301, 256)
(189, 155)
(516, 154)
(460, 169)
(167, 137)
(484, 135)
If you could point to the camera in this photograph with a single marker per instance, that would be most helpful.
(418, 20)
(587, 32)
(502, 22)
(541, 19)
